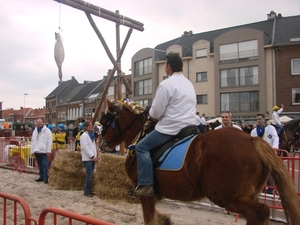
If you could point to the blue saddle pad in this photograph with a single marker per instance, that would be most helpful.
(175, 155)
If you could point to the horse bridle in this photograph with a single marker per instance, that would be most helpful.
(111, 119)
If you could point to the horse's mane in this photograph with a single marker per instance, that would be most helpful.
(130, 105)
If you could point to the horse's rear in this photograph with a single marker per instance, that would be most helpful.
(225, 167)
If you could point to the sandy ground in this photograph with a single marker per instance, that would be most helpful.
(40, 195)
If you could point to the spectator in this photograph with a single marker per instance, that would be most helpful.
(41, 143)
(203, 122)
(61, 137)
(89, 157)
(269, 134)
(297, 137)
(199, 123)
(247, 128)
(226, 121)
(52, 128)
(80, 125)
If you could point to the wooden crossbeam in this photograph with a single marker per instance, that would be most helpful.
(101, 12)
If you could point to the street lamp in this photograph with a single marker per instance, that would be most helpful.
(24, 106)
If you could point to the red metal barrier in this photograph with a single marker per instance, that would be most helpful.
(27, 215)
(71, 215)
(293, 165)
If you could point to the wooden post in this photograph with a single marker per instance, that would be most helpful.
(108, 52)
(110, 78)
(119, 20)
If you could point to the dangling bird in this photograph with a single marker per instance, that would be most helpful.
(59, 54)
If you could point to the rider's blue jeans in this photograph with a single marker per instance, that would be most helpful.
(279, 127)
(144, 162)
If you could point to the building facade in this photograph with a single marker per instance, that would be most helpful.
(245, 69)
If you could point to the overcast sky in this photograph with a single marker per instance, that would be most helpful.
(27, 40)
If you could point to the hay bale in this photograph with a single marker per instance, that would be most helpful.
(67, 171)
(112, 181)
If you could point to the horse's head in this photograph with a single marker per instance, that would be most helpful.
(122, 122)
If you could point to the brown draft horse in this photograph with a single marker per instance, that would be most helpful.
(227, 166)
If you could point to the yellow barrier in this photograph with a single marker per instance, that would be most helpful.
(24, 152)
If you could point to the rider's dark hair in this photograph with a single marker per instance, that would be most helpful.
(175, 61)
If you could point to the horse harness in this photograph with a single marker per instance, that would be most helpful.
(112, 118)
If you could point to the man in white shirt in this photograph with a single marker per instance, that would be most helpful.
(275, 118)
(41, 144)
(269, 134)
(174, 106)
(266, 132)
(199, 123)
(89, 157)
(203, 120)
(226, 121)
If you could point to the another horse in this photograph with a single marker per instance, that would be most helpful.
(227, 166)
(287, 139)
(215, 124)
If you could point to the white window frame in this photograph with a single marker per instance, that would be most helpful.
(201, 53)
(297, 62)
(295, 93)
(233, 52)
(143, 87)
(200, 77)
(204, 99)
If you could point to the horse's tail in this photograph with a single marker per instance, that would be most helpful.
(282, 179)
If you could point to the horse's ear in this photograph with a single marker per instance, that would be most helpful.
(110, 105)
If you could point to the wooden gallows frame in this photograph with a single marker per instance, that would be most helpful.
(119, 19)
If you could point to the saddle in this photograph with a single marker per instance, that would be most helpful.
(158, 155)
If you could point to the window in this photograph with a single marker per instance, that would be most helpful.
(144, 102)
(295, 66)
(240, 101)
(296, 96)
(202, 76)
(229, 78)
(201, 99)
(239, 51)
(201, 53)
(111, 90)
(143, 67)
(246, 76)
(143, 87)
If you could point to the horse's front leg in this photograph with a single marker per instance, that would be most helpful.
(151, 216)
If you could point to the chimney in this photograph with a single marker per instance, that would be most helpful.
(271, 15)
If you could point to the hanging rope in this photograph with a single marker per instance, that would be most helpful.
(59, 52)
(59, 16)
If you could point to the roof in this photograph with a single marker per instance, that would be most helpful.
(61, 100)
(65, 86)
(187, 41)
(86, 90)
(36, 113)
(287, 28)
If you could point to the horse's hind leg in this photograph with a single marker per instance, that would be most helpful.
(255, 213)
(151, 216)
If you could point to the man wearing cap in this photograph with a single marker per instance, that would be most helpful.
(275, 118)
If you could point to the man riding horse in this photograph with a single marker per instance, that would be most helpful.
(275, 118)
